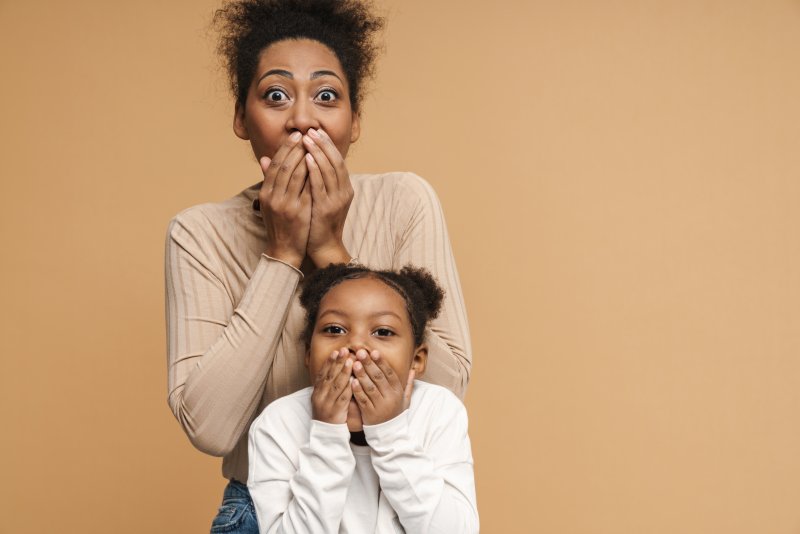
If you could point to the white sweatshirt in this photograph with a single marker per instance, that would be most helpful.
(415, 475)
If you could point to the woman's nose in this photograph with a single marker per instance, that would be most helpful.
(302, 117)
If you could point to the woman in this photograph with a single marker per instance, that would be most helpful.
(233, 268)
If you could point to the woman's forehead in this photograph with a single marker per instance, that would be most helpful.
(300, 56)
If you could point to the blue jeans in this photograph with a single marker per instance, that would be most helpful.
(236, 515)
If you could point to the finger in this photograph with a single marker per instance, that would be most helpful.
(264, 163)
(317, 185)
(283, 169)
(334, 156)
(323, 372)
(363, 400)
(313, 143)
(280, 155)
(365, 383)
(341, 379)
(375, 373)
(346, 393)
(297, 177)
(392, 380)
(409, 388)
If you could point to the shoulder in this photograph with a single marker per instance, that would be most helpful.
(402, 185)
(430, 398)
(215, 217)
(286, 414)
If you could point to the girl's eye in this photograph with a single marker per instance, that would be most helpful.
(333, 329)
(383, 332)
(327, 95)
(276, 95)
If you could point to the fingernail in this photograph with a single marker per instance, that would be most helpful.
(295, 137)
(348, 362)
(313, 133)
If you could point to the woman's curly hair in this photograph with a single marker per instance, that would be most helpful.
(420, 291)
(347, 27)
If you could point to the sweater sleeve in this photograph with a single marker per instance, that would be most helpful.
(219, 352)
(425, 242)
(301, 491)
(432, 489)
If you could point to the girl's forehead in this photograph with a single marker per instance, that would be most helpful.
(361, 293)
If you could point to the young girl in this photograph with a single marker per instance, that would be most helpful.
(366, 448)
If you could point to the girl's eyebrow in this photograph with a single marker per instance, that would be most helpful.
(286, 74)
(345, 314)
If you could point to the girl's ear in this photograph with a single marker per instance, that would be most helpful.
(308, 356)
(420, 360)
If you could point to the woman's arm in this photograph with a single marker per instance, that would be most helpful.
(425, 242)
(431, 488)
(219, 352)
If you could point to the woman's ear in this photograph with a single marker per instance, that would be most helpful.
(239, 124)
(355, 128)
(420, 360)
(308, 356)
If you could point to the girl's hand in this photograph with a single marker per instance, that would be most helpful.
(331, 194)
(285, 199)
(377, 388)
(332, 391)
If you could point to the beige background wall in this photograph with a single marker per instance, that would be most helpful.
(621, 181)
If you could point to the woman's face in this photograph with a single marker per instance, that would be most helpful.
(298, 84)
(365, 313)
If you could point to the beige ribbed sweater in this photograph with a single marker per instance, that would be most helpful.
(234, 319)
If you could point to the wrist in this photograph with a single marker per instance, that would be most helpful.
(285, 255)
(324, 256)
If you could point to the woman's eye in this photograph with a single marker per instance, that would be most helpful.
(276, 95)
(327, 95)
(383, 332)
(333, 329)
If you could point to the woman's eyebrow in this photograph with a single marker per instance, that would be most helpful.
(278, 72)
(321, 73)
(287, 74)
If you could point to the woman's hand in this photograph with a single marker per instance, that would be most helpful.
(377, 388)
(331, 194)
(332, 392)
(285, 200)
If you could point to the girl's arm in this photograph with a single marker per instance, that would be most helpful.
(425, 242)
(300, 470)
(430, 487)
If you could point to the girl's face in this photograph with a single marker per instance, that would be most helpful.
(298, 84)
(365, 313)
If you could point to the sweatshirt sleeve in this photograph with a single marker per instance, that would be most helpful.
(425, 242)
(219, 352)
(431, 488)
(299, 491)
